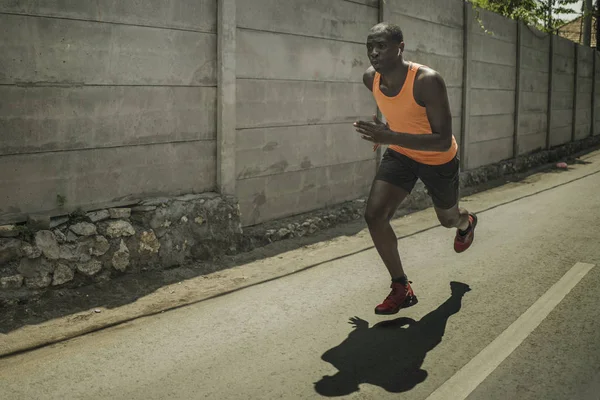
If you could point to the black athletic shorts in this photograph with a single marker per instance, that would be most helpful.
(441, 181)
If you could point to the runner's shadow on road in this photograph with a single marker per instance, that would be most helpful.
(389, 354)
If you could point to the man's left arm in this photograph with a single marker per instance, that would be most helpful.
(435, 98)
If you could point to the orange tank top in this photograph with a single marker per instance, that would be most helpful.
(404, 114)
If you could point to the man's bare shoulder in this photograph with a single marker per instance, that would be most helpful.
(369, 77)
(429, 85)
(430, 78)
(428, 75)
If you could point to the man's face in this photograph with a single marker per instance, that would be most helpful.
(382, 51)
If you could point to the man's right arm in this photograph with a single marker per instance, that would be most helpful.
(369, 77)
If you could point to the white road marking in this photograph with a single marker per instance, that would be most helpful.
(466, 380)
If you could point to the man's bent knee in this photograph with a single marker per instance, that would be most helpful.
(375, 217)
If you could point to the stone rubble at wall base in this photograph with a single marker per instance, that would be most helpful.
(168, 232)
(97, 246)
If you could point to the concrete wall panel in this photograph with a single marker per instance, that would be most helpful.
(266, 151)
(597, 95)
(299, 88)
(586, 69)
(585, 63)
(489, 152)
(281, 195)
(370, 3)
(457, 128)
(561, 118)
(535, 75)
(535, 60)
(427, 37)
(582, 131)
(451, 69)
(448, 12)
(104, 102)
(504, 53)
(336, 19)
(564, 65)
(42, 50)
(455, 99)
(534, 102)
(534, 81)
(37, 119)
(493, 83)
(583, 95)
(531, 143)
(264, 103)
(535, 39)
(532, 123)
(563, 92)
(492, 76)
(560, 135)
(491, 127)
(564, 47)
(268, 55)
(584, 86)
(562, 84)
(31, 183)
(583, 122)
(492, 102)
(499, 28)
(562, 101)
(180, 14)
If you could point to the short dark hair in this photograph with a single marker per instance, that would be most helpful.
(392, 30)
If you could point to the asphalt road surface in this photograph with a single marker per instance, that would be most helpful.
(515, 317)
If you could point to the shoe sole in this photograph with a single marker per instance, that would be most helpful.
(474, 226)
(409, 302)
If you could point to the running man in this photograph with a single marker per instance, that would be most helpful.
(418, 132)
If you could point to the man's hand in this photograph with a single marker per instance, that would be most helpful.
(376, 132)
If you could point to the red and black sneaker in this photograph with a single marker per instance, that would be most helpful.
(401, 296)
(463, 241)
